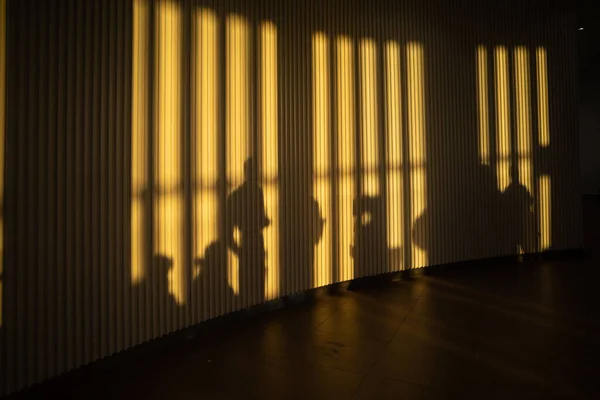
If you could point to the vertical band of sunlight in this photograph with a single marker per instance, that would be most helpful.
(346, 152)
(169, 206)
(139, 138)
(523, 99)
(482, 95)
(206, 133)
(369, 112)
(270, 151)
(321, 155)
(2, 138)
(395, 203)
(416, 131)
(542, 92)
(237, 119)
(502, 118)
(544, 182)
(545, 215)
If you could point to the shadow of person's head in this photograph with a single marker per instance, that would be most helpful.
(366, 209)
(213, 263)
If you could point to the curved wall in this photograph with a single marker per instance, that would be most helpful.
(166, 162)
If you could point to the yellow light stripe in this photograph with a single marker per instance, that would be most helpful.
(369, 113)
(502, 118)
(545, 212)
(270, 150)
(523, 99)
(169, 205)
(346, 153)
(237, 118)
(321, 155)
(483, 113)
(206, 135)
(139, 138)
(418, 155)
(395, 198)
(542, 87)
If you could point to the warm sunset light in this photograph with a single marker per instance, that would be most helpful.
(238, 141)
(395, 189)
(523, 102)
(523, 121)
(503, 148)
(346, 152)
(140, 130)
(545, 212)
(482, 95)
(542, 92)
(270, 150)
(169, 205)
(417, 142)
(369, 115)
(205, 142)
(321, 155)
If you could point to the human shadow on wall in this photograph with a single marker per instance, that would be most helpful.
(479, 229)
(303, 217)
(156, 289)
(210, 278)
(162, 279)
(309, 225)
(519, 220)
(485, 233)
(370, 236)
(245, 208)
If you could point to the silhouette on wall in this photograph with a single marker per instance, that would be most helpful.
(313, 228)
(211, 280)
(300, 235)
(486, 227)
(245, 208)
(153, 292)
(519, 217)
(162, 280)
(370, 244)
(474, 230)
(418, 231)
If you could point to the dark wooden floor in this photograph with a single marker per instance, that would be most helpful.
(503, 329)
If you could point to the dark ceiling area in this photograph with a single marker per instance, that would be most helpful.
(589, 101)
(589, 49)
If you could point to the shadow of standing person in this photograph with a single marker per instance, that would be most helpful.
(245, 208)
(519, 222)
(155, 295)
(162, 284)
(370, 243)
(311, 233)
(211, 284)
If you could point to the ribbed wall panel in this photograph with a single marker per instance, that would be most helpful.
(167, 162)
